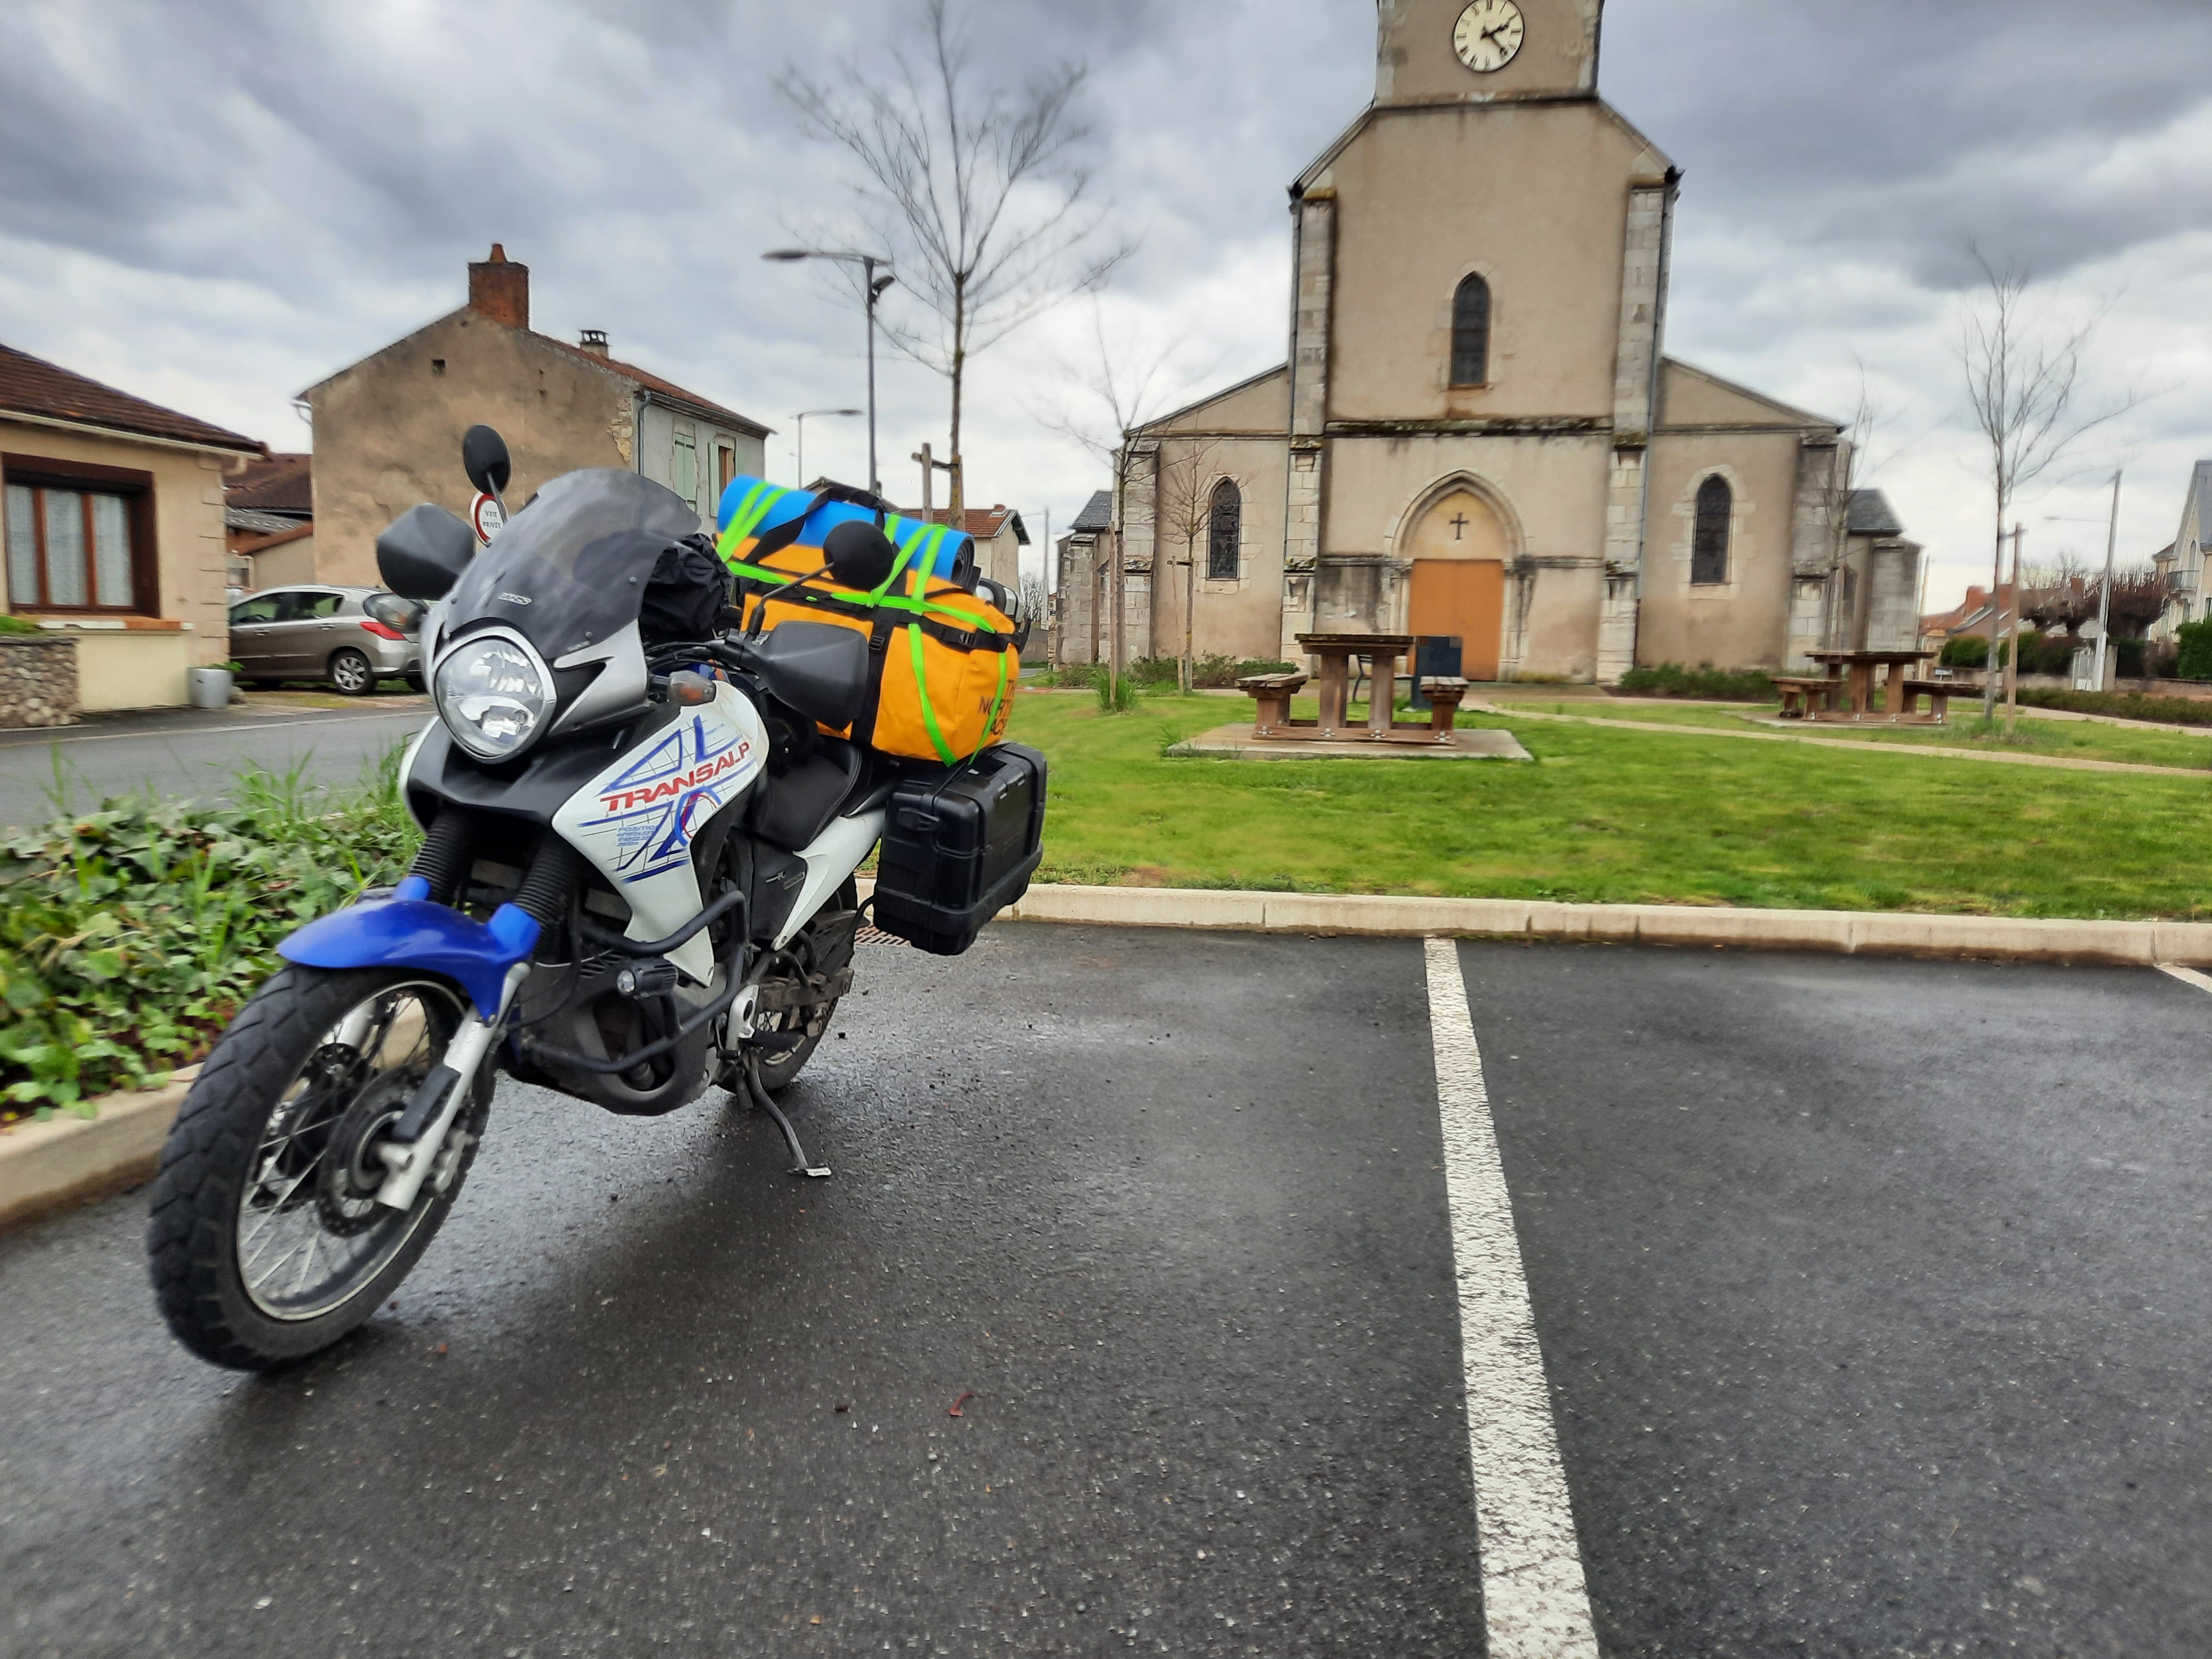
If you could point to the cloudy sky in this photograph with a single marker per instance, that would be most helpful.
(215, 205)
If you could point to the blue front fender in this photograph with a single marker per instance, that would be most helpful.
(408, 931)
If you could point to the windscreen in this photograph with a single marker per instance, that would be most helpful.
(570, 568)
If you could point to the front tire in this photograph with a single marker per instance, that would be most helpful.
(264, 1245)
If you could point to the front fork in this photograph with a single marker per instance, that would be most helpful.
(411, 1152)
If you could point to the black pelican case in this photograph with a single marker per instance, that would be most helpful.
(959, 845)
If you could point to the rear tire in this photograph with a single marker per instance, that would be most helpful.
(248, 1165)
(352, 672)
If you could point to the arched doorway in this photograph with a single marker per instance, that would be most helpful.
(1459, 545)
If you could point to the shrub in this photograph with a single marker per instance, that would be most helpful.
(1116, 696)
(14, 624)
(2129, 705)
(2039, 654)
(1079, 676)
(2193, 657)
(1157, 671)
(130, 935)
(1717, 684)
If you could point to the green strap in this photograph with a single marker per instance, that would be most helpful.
(921, 689)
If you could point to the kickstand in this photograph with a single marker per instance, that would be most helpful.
(800, 1166)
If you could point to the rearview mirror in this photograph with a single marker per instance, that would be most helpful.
(820, 670)
(485, 458)
(422, 552)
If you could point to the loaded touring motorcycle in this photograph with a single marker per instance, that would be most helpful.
(637, 872)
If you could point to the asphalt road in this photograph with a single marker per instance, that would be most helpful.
(195, 752)
(1871, 1294)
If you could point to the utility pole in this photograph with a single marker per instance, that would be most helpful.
(2012, 657)
(929, 468)
(2104, 651)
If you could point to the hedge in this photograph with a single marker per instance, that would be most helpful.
(1713, 685)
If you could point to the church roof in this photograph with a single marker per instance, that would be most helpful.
(1097, 515)
(1871, 514)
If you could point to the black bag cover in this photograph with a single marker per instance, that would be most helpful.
(685, 594)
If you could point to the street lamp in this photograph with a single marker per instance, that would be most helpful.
(800, 420)
(2104, 594)
(873, 287)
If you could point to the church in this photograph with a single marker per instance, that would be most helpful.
(1477, 433)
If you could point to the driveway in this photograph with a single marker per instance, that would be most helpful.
(1870, 1297)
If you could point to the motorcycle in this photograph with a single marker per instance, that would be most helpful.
(637, 879)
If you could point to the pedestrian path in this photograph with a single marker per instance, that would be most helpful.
(1935, 750)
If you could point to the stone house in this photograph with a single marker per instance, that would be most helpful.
(113, 527)
(999, 535)
(1477, 432)
(1083, 559)
(388, 428)
(268, 522)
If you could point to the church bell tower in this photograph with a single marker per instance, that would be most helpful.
(1480, 52)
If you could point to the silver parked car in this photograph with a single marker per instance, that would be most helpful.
(318, 633)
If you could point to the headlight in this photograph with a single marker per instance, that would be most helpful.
(493, 696)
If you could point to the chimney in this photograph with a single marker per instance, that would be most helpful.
(499, 289)
(594, 341)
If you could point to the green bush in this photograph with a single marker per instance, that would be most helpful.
(130, 935)
(2129, 705)
(2039, 654)
(2193, 659)
(1715, 684)
(15, 624)
(1157, 671)
(1076, 676)
(1117, 695)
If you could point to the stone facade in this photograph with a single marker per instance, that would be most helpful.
(1570, 467)
(38, 681)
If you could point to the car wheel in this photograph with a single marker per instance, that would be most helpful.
(351, 672)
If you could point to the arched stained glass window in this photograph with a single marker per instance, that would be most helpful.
(1709, 544)
(1225, 530)
(1470, 364)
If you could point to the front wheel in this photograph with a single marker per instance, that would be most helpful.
(266, 1244)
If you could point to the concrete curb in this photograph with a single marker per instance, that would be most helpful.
(67, 1161)
(1849, 932)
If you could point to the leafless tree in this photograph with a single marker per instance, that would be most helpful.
(2061, 594)
(975, 192)
(2138, 599)
(1182, 508)
(2023, 369)
(1124, 387)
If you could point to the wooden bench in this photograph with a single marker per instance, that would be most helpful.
(1273, 692)
(1805, 696)
(1938, 693)
(1445, 693)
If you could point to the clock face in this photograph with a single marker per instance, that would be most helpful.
(1488, 34)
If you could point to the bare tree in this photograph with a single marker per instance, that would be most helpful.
(974, 193)
(2059, 594)
(2138, 600)
(2023, 371)
(1124, 387)
(1182, 506)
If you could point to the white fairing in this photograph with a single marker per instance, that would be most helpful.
(830, 857)
(636, 819)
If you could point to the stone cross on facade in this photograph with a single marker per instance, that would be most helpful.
(1459, 526)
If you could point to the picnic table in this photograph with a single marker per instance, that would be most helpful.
(1851, 682)
(1272, 693)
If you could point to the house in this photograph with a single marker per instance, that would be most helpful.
(114, 530)
(268, 522)
(999, 536)
(1477, 432)
(1082, 559)
(2189, 598)
(388, 428)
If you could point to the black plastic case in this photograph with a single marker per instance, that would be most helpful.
(959, 846)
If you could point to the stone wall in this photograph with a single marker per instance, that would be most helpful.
(38, 681)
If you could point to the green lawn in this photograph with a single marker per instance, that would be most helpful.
(2066, 739)
(1614, 816)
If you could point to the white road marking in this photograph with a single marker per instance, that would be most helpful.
(1533, 1598)
(2187, 975)
(262, 723)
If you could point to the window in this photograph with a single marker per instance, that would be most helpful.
(73, 545)
(725, 468)
(684, 466)
(261, 608)
(1225, 530)
(1470, 348)
(313, 607)
(1709, 544)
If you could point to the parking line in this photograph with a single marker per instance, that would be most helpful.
(2187, 975)
(1535, 1601)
